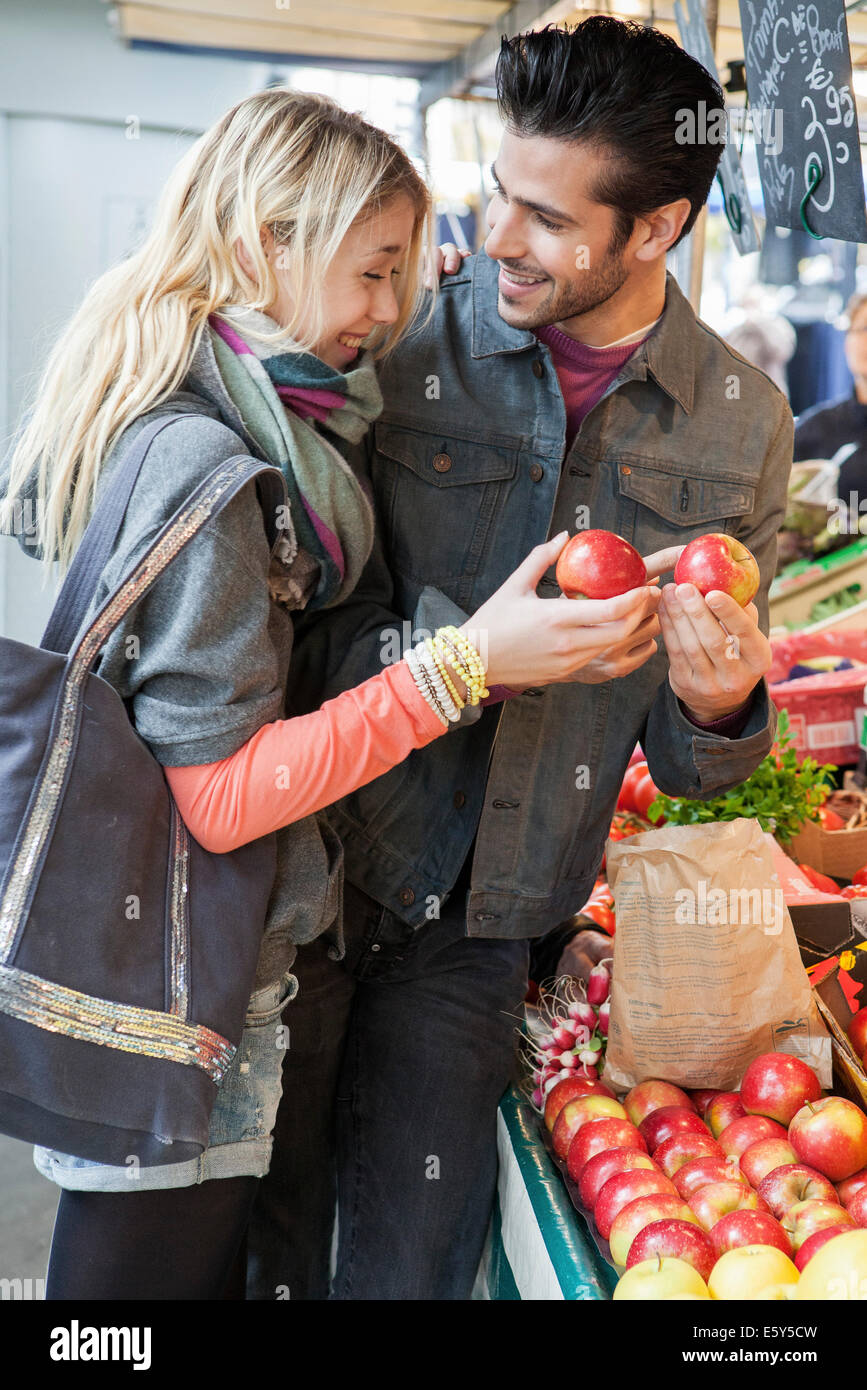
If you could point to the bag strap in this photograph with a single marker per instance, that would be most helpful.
(100, 536)
(98, 542)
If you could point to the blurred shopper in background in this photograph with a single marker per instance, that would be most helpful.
(762, 335)
(831, 426)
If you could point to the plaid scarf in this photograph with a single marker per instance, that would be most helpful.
(281, 398)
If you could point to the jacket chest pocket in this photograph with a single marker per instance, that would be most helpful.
(661, 508)
(439, 497)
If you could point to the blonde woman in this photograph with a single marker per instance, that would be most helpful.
(286, 251)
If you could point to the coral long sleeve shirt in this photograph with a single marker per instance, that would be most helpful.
(293, 767)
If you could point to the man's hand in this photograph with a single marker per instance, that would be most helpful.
(585, 950)
(716, 651)
(448, 258)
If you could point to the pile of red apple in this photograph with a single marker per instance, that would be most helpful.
(686, 1179)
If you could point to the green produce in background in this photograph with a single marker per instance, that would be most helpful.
(781, 794)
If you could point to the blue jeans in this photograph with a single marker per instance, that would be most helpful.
(398, 1054)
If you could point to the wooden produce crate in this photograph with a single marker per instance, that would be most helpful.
(835, 1011)
(839, 853)
(802, 584)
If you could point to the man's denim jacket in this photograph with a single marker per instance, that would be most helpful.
(468, 472)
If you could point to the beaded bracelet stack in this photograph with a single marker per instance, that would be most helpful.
(428, 666)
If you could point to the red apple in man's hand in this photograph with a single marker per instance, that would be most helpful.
(831, 1135)
(749, 1129)
(805, 1218)
(683, 1148)
(762, 1158)
(598, 1170)
(847, 1189)
(718, 561)
(623, 1188)
(571, 1089)
(661, 1124)
(702, 1099)
(653, 1095)
(857, 1031)
(702, 1171)
(722, 1110)
(682, 1238)
(711, 1203)
(599, 564)
(644, 1211)
(815, 1242)
(596, 1137)
(576, 1113)
(794, 1182)
(744, 1227)
(777, 1085)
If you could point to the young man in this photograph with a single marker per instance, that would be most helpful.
(563, 382)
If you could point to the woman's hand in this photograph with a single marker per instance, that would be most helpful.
(640, 646)
(526, 641)
(448, 258)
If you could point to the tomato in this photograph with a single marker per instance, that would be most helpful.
(829, 820)
(820, 881)
(861, 876)
(631, 778)
(645, 792)
(855, 890)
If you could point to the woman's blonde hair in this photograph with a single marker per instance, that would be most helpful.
(295, 162)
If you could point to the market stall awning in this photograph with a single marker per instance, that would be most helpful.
(451, 46)
(409, 37)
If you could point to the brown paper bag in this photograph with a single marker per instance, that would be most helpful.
(707, 973)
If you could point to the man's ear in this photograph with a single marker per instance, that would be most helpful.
(664, 227)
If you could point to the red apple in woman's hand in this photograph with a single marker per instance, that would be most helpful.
(599, 564)
(718, 561)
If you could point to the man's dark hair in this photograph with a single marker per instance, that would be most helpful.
(616, 86)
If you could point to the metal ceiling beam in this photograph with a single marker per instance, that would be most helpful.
(478, 59)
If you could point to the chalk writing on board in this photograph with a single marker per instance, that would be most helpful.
(797, 60)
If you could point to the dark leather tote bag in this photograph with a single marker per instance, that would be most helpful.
(127, 952)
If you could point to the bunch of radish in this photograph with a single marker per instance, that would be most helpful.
(566, 1031)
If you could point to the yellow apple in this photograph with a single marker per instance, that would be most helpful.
(837, 1271)
(777, 1291)
(664, 1277)
(748, 1269)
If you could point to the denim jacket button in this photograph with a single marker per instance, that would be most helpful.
(536, 472)
(538, 368)
(442, 463)
(407, 896)
(459, 799)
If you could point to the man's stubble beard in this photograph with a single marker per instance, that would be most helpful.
(575, 298)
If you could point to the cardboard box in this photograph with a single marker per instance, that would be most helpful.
(826, 713)
(824, 924)
(800, 585)
(838, 853)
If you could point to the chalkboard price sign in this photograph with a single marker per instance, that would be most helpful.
(696, 40)
(799, 78)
